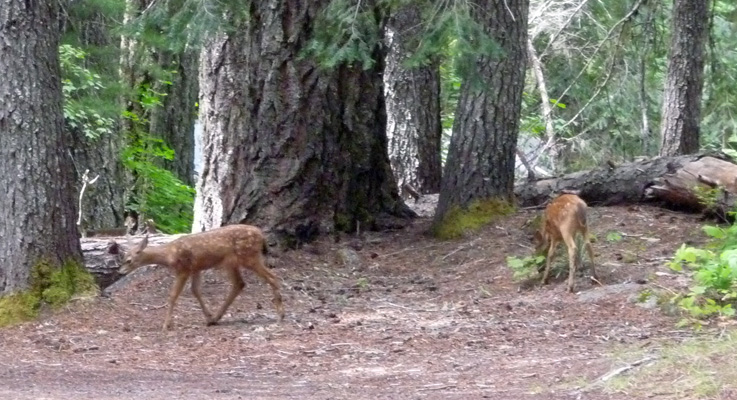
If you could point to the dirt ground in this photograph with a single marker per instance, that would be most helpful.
(409, 318)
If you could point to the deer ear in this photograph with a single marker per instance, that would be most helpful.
(144, 243)
(113, 247)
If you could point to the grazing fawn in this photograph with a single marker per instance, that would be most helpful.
(564, 217)
(229, 248)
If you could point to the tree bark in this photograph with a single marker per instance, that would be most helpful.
(37, 204)
(678, 181)
(174, 120)
(481, 156)
(682, 98)
(413, 106)
(291, 148)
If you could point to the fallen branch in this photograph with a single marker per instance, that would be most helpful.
(611, 374)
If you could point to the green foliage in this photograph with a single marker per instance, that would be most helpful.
(345, 32)
(80, 87)
(50, 285)
(714, 273)
(157, 193)
(613, 236)
(707, 196)
(174, 25)
(525, 268)
(458, 220)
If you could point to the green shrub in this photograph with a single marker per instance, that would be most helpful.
(714, 272)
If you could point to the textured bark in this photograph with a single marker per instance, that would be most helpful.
(37, 205)
(481, 155)
(174, 121)
(102, 203)
(675, 181)
(288, 147)
(682, 98)
(412, 106)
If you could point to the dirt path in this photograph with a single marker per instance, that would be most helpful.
(414, 318)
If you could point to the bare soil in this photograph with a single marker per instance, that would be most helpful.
(410, 318)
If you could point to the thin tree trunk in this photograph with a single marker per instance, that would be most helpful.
(174, 120)
(682, 99)
(102, 205)
(481, 156)
(413, 106)
(551, 147)
(37, 204)
(289, 147)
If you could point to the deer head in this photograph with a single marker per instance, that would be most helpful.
(131, 259)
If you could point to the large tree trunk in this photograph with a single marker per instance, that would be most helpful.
(683, 86)
(37, 205)
(289, 147)
(413, 106)
(174, 120)
(680, 181)
(481, 156)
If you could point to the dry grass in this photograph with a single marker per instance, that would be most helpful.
(702, 367)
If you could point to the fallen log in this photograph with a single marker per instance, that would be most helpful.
(682, 181)
(104, 266)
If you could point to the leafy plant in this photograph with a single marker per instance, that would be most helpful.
(525, 268)
(157, 192)
(714, 273)
(613, 236)
(79, 86)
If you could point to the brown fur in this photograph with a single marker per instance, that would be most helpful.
(229, 248)
(564, 217)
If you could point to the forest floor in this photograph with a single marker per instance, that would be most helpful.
(409, 317)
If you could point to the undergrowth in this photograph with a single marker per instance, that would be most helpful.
(50, 286)
(714, 272)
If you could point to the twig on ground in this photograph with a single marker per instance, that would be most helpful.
(462, 247)
(616, 372)
(436, 386)
(148, 306)
(405, 307)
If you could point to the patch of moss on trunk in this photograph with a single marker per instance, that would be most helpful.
(50, 285)
(459, 220)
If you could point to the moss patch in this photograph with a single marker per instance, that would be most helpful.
(50, 285)
(458, 220)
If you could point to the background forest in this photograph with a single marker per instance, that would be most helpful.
(327, 117)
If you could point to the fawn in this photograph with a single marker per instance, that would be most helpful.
(228, 248)
(564, 217)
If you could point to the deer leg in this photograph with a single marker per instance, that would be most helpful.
(571, 244)
(260, 269)
(237, 284)
(590, 250)
(196, 285)
(176, 289)
(549, 259)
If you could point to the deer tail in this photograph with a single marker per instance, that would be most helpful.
(581, 215)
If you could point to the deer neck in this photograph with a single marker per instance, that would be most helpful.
(155, 255)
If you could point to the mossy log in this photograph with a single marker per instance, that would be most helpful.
(104, 266)
(678, 182)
